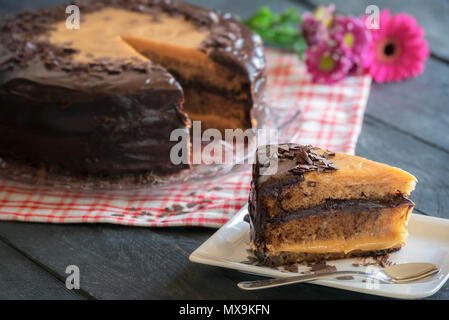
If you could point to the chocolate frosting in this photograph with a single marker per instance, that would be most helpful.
(105, 116)
(292, 161)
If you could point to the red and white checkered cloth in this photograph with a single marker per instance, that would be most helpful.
(331, 117)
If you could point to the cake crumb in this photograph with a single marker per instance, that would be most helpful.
(321, 267)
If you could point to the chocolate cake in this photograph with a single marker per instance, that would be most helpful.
(103, 99)
(309, 205)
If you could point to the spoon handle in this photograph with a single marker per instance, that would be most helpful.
(275, 282)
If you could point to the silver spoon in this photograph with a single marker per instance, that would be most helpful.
(398, 273)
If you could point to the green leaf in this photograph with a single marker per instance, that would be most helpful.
(290, 16)
(281, 30)
(262, 19)
(300, 46)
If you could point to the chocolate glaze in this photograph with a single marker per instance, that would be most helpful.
(272, 185)
(105, 134)
(106, 116)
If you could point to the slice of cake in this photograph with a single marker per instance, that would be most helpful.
(104, 99)
(308, 205)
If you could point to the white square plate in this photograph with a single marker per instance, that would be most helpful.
(428, 241)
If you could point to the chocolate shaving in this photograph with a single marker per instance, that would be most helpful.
(292, 268)
(345, 278)
(378, 260)
(283, 148)
(311, 183)
(322, 267)
(328, 154)
(307, 159)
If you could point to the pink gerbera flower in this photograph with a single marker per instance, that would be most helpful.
(398, 49)
(328, 62)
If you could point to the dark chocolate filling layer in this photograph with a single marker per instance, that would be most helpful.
(228, 94)
(341, 204)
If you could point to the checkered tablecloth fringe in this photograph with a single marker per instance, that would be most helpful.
(330, 117)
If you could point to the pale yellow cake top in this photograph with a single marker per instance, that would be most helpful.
(107, 34)
(355, 170)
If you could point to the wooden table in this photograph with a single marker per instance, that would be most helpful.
(406, 125)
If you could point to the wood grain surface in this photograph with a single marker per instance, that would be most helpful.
(406, 125)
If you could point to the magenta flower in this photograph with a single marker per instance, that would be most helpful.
(357, 66)
(398, 49)
(314, 26)
(352, 33)
(328, 62)
(312, 30)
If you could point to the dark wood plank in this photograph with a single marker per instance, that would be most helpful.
(430, 165)
(418, 106)
(21, 279)
(431, 15)
(136, 263)
(122, 263)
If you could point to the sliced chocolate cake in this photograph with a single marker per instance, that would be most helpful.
(103, 99)
(314, 205)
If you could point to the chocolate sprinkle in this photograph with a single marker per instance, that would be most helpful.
(378, 260)
(345, 278)
(322, 267)
(307, 159)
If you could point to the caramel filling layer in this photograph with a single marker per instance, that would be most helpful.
(346, 245)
